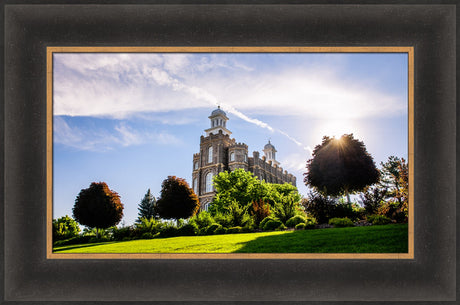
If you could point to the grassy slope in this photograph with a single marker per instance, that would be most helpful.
(374, 239)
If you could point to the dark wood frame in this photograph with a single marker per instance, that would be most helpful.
(28, 275)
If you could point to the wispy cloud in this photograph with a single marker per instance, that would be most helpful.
(106, 139)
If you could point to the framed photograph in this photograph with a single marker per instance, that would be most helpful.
(129, 96)
(289, 96)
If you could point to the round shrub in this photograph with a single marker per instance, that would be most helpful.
(293, 221)
(300, 226)
(169, 232)
(272, 225)
(341, 222)
(210, 230)
(147, 235)
(310, 223)
(220, 230)
(379, 220)
(233, 230)
(265, 220)
(189, 229)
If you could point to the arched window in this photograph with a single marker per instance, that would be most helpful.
(206, 206)
(210, 154)
(261, 176)
(195, 165)
(195, 185)
(245, 158)
(232, 156)
(209, 182)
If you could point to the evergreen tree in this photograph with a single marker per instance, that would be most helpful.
(147, 207)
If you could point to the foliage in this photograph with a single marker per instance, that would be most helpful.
(237, 186)
(260, 210)
(391, 238)
(177, 200)
(234, 215)
(378, 219)
(122, 233)
(147, 225)
(341, 222)
(272, 225)
(395, 174)
(372, 198)
(147, 207)
(98, 206)
(64, 228)
(79, 239)
(300, 226)
(188, 229)
(280, 192)
(212, 228)
(310, 223)
(319, 206)
(265, 220)
(295, 220)
(233, 230)
(202, 219)
(286, 208)
(340, 166)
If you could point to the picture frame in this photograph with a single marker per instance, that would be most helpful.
(29, 275)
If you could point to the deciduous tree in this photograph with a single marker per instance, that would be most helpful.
(177, 200)
(98, 207)
(340, 167)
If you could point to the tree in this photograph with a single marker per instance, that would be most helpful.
(237, 186)
(147, 207)
(177, 200)
(340, 167)
(372, 198)
(65, 227)
(396, 173)
(98, 207)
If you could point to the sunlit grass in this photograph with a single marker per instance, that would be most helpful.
(374, 239)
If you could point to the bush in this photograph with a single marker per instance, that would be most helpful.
(300, 226)
(318, 206)
(293, 221)
(189, 229)
(210, 230)
(265, 220)
(80, 239)
(234, 230)
(286, 208)
(272, 225)
(310, 223)
(64, 228)
(378, 219)
(169, 231)
(124, 233)
(220, 230)
(203, 219)
(94, 239)
(341, 222)
(147, 235)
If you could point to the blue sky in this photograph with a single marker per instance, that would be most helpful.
(133, 119)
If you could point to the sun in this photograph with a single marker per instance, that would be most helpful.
(333, 128)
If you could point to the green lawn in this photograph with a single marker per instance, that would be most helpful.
(374, 239)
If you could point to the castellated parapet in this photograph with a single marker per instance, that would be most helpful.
(219, 152)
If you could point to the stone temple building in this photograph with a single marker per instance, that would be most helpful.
(219, 152)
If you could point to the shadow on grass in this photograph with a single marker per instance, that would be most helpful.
(71, 247)
(375, 239)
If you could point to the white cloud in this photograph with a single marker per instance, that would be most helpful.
(119, 85)
(106, 139)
